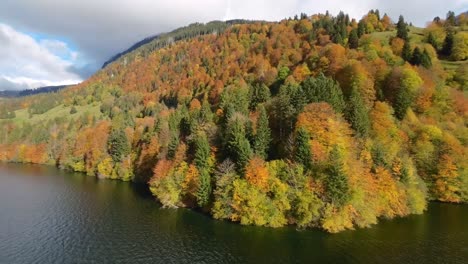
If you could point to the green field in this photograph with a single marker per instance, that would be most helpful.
(59, 111)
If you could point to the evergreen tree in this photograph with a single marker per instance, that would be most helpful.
(426, 60)
(448, 44)
(450, 20)
(353, 39)
(202, 152)
(258, 93)
(118, 145)
(416, 59)
(323, 89)
(402, 28)
(204, 188)
(406, 53)
(361, 28)
(403, 100)
(431, 40)
(238, 147)
(302, 153)
(336, 181)
(357, 114)
(263, 134)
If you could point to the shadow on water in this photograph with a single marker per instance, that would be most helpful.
(49, 216)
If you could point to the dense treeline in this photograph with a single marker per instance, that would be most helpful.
(311, 121)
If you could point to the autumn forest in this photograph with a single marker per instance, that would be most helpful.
(315, 121)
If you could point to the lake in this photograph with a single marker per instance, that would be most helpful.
(53, 216)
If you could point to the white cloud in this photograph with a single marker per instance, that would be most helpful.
(27, 63)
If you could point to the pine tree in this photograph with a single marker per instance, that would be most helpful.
(258, 93)
(448, 44)
(238, 147)
(302, 153)
(202, 152)
(361, 28)
(402, 29)
(357, 114)
(416, 59)
(337, 182)
(431, 40)
(263, 134)
(353, 39)
(323, 89)
(406, 53)
(204, 189)
(426, 60)
(118, 145)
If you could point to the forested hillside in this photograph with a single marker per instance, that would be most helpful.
(315, 121)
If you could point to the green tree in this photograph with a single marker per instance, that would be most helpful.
(448, 44)
(202, 152)
(118, 145)
(302, 153)
(402, 29)
(263, 134)
(258, 93)
(237, 144)
(324, 89)
(358, 114)
(426, 60)
(337, 182)
(406, 53)
(416, 58)
(204, 189)
(353, 39)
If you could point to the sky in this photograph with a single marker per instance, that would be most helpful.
(51, 42)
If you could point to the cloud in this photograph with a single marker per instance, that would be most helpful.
(26, 63)
(100, 29)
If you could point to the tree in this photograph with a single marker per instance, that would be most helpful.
(258, 93)
(302, 152)
(337, 181)
(426, 60)
(237, 145)
(118, 145)
(450, 19)
(204, 188)
(416, 59)
(202, 152)
(263, 134)
(358, 114)
(324, 89)
(459, 50)
(448, 44)
(406, 53)
(402, 28)
(353, 39)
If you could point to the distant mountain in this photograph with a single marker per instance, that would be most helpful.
(150, 44)
(45, 89)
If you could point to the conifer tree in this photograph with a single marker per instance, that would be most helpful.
(402, 28)
(302, 153)
(353, 39)
(357, 114)
(336, 181)
(406, 53)
(263, 134)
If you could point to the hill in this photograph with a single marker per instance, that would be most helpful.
(317, 121)
(153, 43)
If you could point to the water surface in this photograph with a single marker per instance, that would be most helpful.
(52, 216)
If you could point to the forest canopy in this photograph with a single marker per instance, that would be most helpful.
(316, 121)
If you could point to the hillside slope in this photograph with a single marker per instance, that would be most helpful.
(316, 121)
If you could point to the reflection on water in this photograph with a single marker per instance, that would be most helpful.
(52, 216)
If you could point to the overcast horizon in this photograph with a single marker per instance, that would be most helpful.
(45, 42)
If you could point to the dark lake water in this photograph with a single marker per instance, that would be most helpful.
(52, 216)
